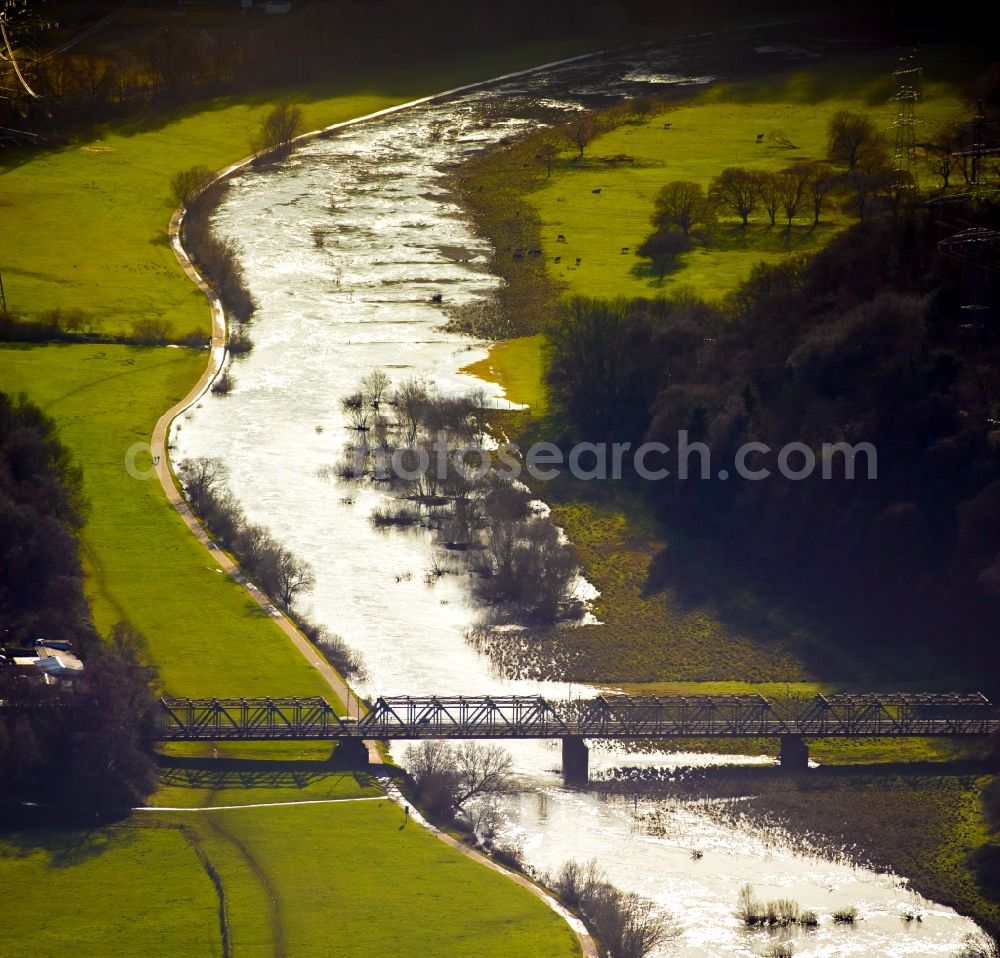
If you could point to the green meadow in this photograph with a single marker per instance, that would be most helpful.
(206, 636)
(708, 131)
(713, 130)
(92, 217)
(349, 878)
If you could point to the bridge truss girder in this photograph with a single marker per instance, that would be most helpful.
(605, 717)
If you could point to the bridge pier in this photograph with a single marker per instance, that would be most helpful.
(794, 755)
(575, 760)
(351, 751)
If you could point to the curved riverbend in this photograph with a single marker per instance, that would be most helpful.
(343, 244)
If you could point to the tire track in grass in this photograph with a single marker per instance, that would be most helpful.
(194, 840)
(276, 919)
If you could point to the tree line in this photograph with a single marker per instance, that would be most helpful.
(126, 71)
(80, 752)
(858, 173)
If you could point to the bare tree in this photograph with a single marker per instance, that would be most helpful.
(820, 183)
(549, 149)
(285, 577)
(770, 193)
(583, 131)
(737, 190)
(482, 770)
(374, 387)
(681, 203)
(281, 125)
(484, 818)
(201, 478)
(185, 185)
(940, 157)
(869, 178)
(792, 185)
(448, 776)
(641, 106)
(851, 137)
(630, 926)
(979, 945)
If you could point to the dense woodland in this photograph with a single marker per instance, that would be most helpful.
(41, 511)
(865, 342)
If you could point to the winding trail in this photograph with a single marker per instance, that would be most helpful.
(159, 443)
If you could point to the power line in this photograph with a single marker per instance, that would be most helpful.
(12, 59)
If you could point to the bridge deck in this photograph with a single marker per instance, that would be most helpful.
(606, 717)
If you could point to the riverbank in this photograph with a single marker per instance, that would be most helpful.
(675, 616)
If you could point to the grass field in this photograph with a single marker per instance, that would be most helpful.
(715, 129)
(340, 892)
(207, 775)
(92, 217)
(90, 893)
(517, 366)
(341, 879)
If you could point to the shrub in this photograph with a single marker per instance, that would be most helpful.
(150, 332)
(195, 339)
(979, 945)
(628, 924)
(277, 130)
(223, 384)
(336, 651)
(239, 341)
(399, 514)
(845, 916)
(185, 185)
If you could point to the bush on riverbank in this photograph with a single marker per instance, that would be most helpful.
(629, 925)
(279, 573)
(216, 258)
(347, 661)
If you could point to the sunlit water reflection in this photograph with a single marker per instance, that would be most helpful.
(344, 244)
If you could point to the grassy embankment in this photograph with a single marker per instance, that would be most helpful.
(91, 234)
(675, 619)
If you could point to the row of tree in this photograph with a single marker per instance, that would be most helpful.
(277, 571)
(858, 173)
(171, 59)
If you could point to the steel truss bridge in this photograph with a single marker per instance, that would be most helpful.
(791, 720)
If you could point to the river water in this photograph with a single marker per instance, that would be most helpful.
(344, 244)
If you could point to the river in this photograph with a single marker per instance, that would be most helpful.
(344, 244)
